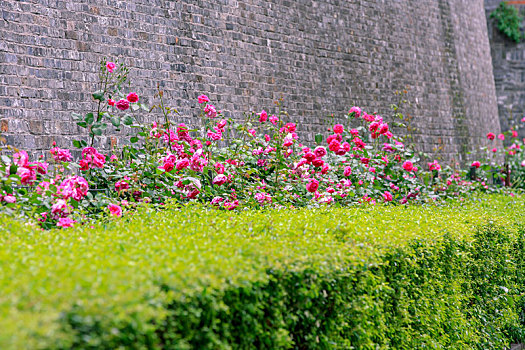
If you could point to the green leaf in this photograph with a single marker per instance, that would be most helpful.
(127, 120)
(318, 138)
(115, 121)
(76, 116)
(134, 139)
(77, 144)
(98, 95)
(96, 131)
(82, 124)
(90, 118)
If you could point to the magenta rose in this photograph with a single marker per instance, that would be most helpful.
(122, 105)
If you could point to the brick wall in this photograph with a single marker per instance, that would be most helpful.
(508, 59)
(322, 56)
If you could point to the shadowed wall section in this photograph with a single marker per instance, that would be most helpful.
(322, 56)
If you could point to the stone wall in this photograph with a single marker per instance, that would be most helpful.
(322, 56)
(508, 58)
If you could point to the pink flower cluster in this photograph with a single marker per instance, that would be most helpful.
(91, 158)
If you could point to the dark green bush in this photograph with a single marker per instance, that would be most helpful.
(508, 21)
(363, 278)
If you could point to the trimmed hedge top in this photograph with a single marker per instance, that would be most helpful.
(89, 287)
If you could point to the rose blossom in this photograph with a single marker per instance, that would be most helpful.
(338, 129)
(408, 166)
(9, 198)
(348, 171)
(132, 97)
(355, 110)
(388, 196)
(59, 206)
(216, 200)
(501, 137)
(220, 179)
(122, 105)
(60, 154)
(65, 222)
(115, 210)
(203, 99)
(263, 116)
(320, 151)
(312, 186)
(434, 166)
(491, 136)
(110, 66)
(476, 164)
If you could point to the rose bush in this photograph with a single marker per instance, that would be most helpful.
(257, 162)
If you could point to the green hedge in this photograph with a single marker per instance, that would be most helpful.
(363, 278)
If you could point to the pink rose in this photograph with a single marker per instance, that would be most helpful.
(434, 166)
(59, 206)
(491, 136)
(65, 222)
(216, 200)
(203, 99)
(338, 128)
(291, 127)
(263, 116)
(408, 166)
(122, 185)
(21, 158)
(476, 164)
(40, 167)
(132, 97)
(115, 210)
(356, 111)
(27, 176)
(320, 151)
(318, 162)
(182, 163)
(347, 172)
(231, 205)
(9, 198)
(334, 146)
(222, 123)
(110, 66)
(122, 105)
(111, 102)
(501, 137)
(274, 120)
(61, 155)
(210, 111)
(219, 168)
(388, 196)
(312, 186)
(220, 179)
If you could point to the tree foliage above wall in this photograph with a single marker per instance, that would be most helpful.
(508, 20)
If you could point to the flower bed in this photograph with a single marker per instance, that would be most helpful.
(257, 162)
(381, 277)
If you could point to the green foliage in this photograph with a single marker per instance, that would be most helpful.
(508, 20)
(196, 278)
